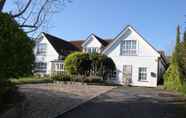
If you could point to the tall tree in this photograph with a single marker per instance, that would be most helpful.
(184, 37)
(176, 53)
(178, 35)
(32, 14)
(183, 54)
(16, 50)
(173, 77)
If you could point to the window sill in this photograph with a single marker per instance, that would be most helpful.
(143, 81)
(129, 55)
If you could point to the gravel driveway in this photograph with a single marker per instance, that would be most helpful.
(50, 100)
(132, 102)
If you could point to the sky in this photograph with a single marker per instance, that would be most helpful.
(156, 20)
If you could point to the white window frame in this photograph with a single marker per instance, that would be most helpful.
(59, 67)
(41, 67)
(128, 48)
(142, 74)
(41, 49)
(91, 49)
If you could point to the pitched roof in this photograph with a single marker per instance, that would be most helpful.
(77, 43)
(102, 41)
(60, 45)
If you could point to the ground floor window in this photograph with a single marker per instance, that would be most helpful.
(57, 67)
(142, 74)
(40, 67)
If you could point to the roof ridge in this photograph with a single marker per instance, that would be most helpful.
(56, 37)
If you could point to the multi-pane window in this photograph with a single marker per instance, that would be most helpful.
(59, 67)
(128, 48)
(142, 74)
(41, 67)
(91, 50)
(41, 50)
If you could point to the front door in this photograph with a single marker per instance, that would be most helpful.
(127, 74)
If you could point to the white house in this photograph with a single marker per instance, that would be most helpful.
(138, 63)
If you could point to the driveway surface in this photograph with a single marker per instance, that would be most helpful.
(53, 99)
(132, 102)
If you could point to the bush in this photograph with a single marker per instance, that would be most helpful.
(61, 77)
(77, 63)
(89, 64)
(94, 79)
(70, 63)
(172, 78)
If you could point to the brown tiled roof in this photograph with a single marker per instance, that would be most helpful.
(63, 46)
(77, 43)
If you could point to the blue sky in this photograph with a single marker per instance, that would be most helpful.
(156, 20)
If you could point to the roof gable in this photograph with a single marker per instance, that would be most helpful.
(103, 42)
(61, 46)
(125, 32)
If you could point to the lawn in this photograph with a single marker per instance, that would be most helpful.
(31, 80)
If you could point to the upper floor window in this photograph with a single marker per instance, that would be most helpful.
(142, 74)
(41, 49)
(128, 48)
(91, 50)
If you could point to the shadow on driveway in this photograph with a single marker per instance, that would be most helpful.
(132, 103)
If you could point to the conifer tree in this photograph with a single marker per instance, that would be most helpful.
(174, 76)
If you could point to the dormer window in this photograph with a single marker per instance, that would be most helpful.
(128, 48)
(91, 50)
(41, 49)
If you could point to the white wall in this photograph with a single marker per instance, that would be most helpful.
(146, 57)
(93, 43)
(51, 54)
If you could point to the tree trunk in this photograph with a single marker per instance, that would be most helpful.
(2, 3)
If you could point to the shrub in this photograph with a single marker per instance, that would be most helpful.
(70, 63)
(101, 64)
(172, 78)
(94, 79)
(62, 77)
(89, 64)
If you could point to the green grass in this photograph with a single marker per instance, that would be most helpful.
(31, 80)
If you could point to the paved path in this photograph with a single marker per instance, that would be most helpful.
(132, 102)
(50, 100)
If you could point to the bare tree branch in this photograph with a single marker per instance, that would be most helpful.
(32, 14)
(2, 3)
(22, 11)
